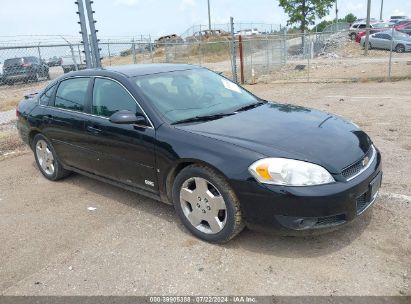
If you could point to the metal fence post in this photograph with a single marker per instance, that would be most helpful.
(38, 50)
(233, 51)
(390, 61)
(133, 50)
(200, 50)
(93, 33)
(240, 46)
(285, 46)
(83, 32)
(73, 56)
(108, 51)
(151, 49)
(79, 53)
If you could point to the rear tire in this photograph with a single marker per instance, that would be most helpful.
(206, 204)
(36, 77)
(47, 160)
(400, 48)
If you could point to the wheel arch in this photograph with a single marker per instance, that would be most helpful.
(32, 134)
(178, 167)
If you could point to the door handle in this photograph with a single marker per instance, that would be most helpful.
(47, 118)
(93, 129)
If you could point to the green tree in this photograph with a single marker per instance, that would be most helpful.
(304, 12)
(350, 18)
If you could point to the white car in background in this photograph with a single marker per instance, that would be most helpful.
(248, 32)
(1, 72)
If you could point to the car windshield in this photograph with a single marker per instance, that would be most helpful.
(182, 95)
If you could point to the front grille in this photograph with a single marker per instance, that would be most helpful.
(356, 167)
(330, 220)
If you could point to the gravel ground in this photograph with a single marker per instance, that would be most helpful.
(51, 244)
(7, 116)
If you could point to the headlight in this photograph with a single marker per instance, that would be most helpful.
(289, 172)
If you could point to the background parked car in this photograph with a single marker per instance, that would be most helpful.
(206, 34)
(361, 26)
(401, 43)
(68, 64)
(24, 69)
(1, 72)
(248, 32)
(54, 61)
(168, 39)
(372, 31)
(404, 27)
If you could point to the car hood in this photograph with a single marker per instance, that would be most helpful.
(283, 130)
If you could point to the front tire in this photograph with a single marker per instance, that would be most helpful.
(207, 205)
(46, 159)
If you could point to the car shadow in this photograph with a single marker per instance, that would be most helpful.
(258, 242)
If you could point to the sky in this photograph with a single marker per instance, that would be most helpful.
(159, 17)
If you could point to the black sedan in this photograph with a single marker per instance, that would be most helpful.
(189, 137)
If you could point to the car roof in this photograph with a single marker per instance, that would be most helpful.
(133, 70)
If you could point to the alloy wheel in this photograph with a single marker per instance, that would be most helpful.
(203, 205)
(45, 157)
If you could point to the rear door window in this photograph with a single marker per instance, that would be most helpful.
(71, 94)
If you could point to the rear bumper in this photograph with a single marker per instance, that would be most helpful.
(307, 210)
(19, 77)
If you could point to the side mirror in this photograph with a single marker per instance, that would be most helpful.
(127, 118)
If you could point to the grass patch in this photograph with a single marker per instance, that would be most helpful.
(9, 104)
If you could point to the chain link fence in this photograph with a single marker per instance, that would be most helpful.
(270, 55)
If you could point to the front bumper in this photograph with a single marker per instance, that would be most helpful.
(306, 210)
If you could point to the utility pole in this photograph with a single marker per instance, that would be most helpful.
(209, 15)
(382, 7)
(336, 11)
(367, 37)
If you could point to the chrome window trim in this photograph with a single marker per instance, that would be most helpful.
(57, 83)
(374, 153)
(151, 126)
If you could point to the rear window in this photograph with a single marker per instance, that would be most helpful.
(21, 60)
(71, 94)
(13, 61)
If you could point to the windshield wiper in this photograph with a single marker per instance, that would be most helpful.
(250, 106)
(202, 118)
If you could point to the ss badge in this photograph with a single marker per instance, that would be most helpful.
(149, 183)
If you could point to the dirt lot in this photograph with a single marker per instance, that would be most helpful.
(52, 244)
